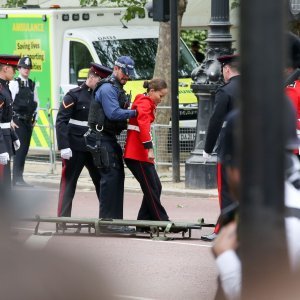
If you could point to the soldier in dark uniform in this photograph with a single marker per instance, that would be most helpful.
(225, 101)
(71, 125)
(25, 105)
(8, 139)
(109, 116)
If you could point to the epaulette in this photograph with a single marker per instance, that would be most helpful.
(292, 85)
(76, 89)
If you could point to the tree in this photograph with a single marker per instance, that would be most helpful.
(15, 3)
(162, 64)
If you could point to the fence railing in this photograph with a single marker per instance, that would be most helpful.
(161, 135)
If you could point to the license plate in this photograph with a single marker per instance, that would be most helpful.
(186, 137)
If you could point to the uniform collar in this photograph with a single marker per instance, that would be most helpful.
(23, 78)
(4, 82)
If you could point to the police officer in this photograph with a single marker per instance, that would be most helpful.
(109, 117)
(71, 125)
(8, 139)
(225, 100)
(25, 105)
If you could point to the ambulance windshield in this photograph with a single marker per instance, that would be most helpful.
(143, 51)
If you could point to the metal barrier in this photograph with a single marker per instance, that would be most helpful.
(161, 135)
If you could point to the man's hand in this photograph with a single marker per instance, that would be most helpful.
(206, 156)
(66, 153)
(151, 154)
(4, 158)
(17, 144)
(13, 125)
(226, 239)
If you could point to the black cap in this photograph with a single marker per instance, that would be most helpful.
(126, 63)
(227, 59)
(100, 70)
(11, 60)
(293, 51)
(25, 62)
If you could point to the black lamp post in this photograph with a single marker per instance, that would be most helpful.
(206, 79)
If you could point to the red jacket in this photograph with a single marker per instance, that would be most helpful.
(139, 138)
(293, 92)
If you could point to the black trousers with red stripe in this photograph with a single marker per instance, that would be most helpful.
(223, 191)
(5, 184)
(146, 175)
(71, 170)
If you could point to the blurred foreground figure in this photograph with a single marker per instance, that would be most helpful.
(44, 275)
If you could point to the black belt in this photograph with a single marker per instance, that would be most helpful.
(23, 117)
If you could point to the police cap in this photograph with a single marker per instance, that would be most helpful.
(25, 62)
(126, 63)
(227, 59)
(100, 70)
(11, 60)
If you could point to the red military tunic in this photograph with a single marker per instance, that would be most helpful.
(139, 138)
(293, 92)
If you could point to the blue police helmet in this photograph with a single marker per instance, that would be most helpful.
(126, 63)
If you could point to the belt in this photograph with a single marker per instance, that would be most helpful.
(79, 123)
(23, 117)
(5, 125)
(133, 127)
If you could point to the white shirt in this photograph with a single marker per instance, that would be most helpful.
(229, 264)
(14, 89)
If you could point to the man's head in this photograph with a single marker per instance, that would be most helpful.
(195, 46)
(124, 69)
(230, 65)
(96, 73)
(24, 66)
(8, 65)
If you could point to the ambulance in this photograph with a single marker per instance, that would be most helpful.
(62, 43)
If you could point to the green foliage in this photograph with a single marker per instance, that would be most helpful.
(15, 3)
(134, 7)
(190, 35)
(235, 4)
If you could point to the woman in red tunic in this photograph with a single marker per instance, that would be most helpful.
(139, 154)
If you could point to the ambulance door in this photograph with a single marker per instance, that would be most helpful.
(75, 64)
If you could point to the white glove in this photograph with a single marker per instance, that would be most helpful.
(206, 156)
(66, 153)
(4, 158)
(17, 144)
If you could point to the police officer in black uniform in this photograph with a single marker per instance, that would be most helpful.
(8, 139)
(71, 125)
(108, 115)
(225, 101)
(25, 104)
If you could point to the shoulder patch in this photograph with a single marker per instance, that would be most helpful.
(68, 100)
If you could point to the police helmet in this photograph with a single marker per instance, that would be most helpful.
(25, 62)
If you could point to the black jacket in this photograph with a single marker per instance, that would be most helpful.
(75, 105)
(7, 135)
(225, 101)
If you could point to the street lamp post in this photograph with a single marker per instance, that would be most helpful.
(206, 79)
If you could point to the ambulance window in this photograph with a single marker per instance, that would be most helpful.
(143, 51)
(80, 58)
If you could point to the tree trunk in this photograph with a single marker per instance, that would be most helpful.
(163, 70)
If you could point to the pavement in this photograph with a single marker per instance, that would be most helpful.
(45, 174)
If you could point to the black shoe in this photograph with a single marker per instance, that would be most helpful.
(209, 237)
(22, 183)
(117, 229)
